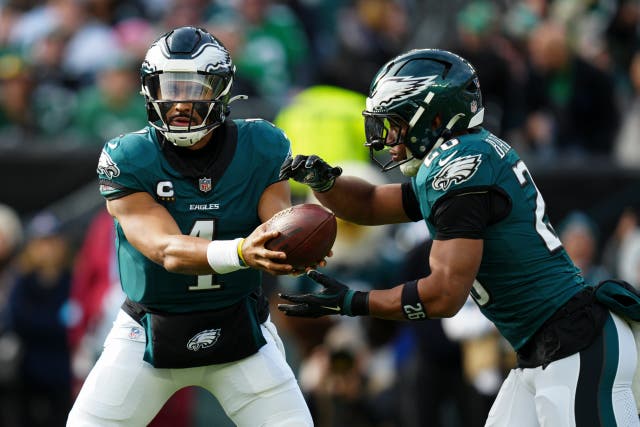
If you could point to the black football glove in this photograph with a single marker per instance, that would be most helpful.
(310, 170)
(335, 298)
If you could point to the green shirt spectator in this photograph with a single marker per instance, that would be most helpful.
(110, 108)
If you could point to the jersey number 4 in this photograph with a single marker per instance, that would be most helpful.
(204, 228)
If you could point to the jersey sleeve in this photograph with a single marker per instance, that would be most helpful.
(116, 174)
(273, 147)
(461, 171)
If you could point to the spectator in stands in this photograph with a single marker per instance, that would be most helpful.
(11, 235)
(17, 119)
(627, 145)
(112, 107)
(628, 223)
(335, 382)
(479, 40)
(627, 252)
(570, 104)
(275, 49)
(580, 237)
(55, 92)
(36, 313)
(8, 16)
(32, 110)
(369, 32)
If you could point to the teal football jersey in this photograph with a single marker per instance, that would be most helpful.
(525, 274)
(220, 203)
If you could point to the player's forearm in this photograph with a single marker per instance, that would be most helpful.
(435, 301)
(351, 199)
(185, 255)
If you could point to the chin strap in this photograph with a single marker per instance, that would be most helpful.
(411, 166)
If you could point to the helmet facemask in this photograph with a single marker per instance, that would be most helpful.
(382, 133)
(186, 106)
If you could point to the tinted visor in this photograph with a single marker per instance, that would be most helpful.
(186, 86)
(376, 130)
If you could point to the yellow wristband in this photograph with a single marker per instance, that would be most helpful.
(240, 257)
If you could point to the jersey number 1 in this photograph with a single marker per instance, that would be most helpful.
(204, 228)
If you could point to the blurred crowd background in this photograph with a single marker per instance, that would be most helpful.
(561, 83)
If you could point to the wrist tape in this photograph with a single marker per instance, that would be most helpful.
(412, 306)
(223, 256)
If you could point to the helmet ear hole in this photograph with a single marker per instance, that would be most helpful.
(436, 122)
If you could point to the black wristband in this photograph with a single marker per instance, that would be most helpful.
(358, 304)
(412, 306)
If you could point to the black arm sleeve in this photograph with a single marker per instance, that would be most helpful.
(467, 214)
(410, 202)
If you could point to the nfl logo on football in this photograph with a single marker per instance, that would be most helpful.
(204, 184)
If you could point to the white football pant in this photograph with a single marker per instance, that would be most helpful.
(124, 390)
(589, 388)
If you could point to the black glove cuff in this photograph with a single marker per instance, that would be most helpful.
(327, 185)
(412, 306)
(323, 186)
(358, 304)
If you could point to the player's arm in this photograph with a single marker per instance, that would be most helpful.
(350, 198)
(151, 229)
(361, 202)
(456, 254)
(275, 198)
(454, 265)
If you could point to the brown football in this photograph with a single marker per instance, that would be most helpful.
(308, 232)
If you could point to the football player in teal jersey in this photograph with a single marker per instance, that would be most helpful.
(189, 195)
(492, 240)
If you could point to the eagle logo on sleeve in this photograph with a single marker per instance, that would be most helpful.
(456, 172)
(107, 167)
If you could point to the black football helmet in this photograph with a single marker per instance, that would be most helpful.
(409, 92)
(187, 65)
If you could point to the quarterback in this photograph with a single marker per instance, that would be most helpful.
(189, 195)
(492, 240)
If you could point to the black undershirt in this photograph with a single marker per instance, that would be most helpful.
(465, 213)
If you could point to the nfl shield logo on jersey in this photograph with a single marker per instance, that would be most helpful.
(204, 184)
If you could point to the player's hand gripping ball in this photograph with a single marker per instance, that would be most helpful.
(308, 232)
